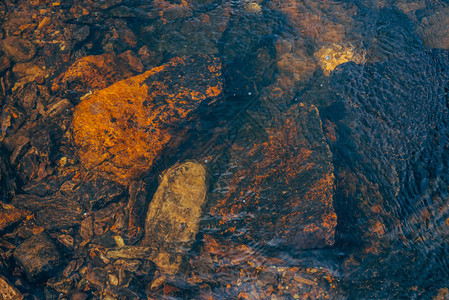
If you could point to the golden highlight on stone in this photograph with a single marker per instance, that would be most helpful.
(172, 220)
(120, 130)
(173, 215)
(329, 57)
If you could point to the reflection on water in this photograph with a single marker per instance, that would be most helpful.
(323, 126)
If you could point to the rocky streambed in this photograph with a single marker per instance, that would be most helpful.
(229, 150)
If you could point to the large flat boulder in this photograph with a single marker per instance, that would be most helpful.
(278, 190)
(120, 130)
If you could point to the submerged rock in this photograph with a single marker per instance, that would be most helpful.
(39, 257)
(10, 215)
(18, 49)
(8, 291)
(7, 180)
(52, 212)
(93, 72)
(280, 190)
(434, 28)
(173, 215)
(172, 220)
(121, 130)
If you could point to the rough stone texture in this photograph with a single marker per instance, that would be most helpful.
(7, 181)
(120, 131)
(280, 190)
(93, 72)
(172, 220)
(10, 215)
(52, 212)
(434, 29)
(173, 215)
(39, 257)
(18, 49)
(325, 21)
(7, 291)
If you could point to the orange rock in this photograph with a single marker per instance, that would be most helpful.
(120, 130)
(92, 72)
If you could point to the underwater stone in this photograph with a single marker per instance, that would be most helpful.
(279, 190)
(121, 130)
(39, 257)
(173, 215)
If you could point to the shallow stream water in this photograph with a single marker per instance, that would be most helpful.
(350, 97)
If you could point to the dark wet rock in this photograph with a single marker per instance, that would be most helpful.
(51, 212)
(104, 218)
(11, 118)
(87, 228)
(136, 118)
(5, 63)
(391, 140)
(28, 96)
(61, 284)
(28, 72)
(92, 193)
(80, 33)
(136, 205)
(8, 291)
(250, 43)
(239, 271)
(199, 35)
(79, 296)
(39, 257)
(279, 190)
(6, 83)
(97, 276)
(7, 180)
(60, 106)
(18, 49)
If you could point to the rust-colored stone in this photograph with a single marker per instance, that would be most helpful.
(282, 189)
(92, 72)
(10, 215)
(120, 131)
